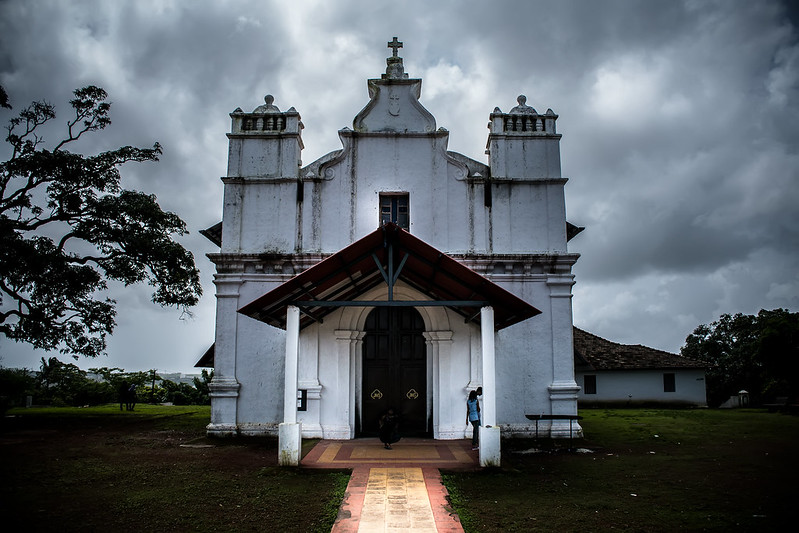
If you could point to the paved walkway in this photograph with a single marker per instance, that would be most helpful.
(393, 490)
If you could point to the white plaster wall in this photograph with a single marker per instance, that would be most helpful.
(524, 370)
(252, 354)
(260, 364)
(447, 210)
(645, 386)
(454, 373)
(462, 202)
(259, 216)
(524, 357)
(526, 157)
(339, 346)
(389, 163)
(264, 155)
(269, 212)
(528, 217)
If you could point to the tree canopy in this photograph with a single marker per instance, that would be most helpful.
(67, 226)
(757, 353)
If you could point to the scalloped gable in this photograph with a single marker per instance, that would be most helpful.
(394, 102)
(394, 107)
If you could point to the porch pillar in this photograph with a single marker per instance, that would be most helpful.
(290, 431)
(490, 451)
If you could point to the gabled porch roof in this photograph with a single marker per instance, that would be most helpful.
(385, 256)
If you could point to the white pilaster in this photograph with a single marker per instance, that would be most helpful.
(439, 344)
(563, 390)
(340, 420)
(224, 388)
(308, 380)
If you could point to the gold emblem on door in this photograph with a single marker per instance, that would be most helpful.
(376, 394)
(412, 394)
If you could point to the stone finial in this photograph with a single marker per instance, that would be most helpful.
(267, 107)
(395, 70)
(522, 108)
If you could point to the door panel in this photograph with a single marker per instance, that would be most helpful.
(395, 370)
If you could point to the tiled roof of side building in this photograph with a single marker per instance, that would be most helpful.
(601, 354)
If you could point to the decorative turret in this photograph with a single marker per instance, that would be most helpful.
(523, 144)
(266, 142)
(263, 190)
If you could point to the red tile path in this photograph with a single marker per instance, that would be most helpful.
(364, 454)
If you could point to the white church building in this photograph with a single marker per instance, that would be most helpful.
(392, 273)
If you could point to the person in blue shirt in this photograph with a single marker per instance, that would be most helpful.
(473, 417)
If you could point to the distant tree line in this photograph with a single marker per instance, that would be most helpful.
(756, 353)
(64, 384)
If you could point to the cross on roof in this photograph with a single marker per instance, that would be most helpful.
(394, 45)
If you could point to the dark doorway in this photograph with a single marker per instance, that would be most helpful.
(395, 370)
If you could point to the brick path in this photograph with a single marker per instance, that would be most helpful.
(393, 490)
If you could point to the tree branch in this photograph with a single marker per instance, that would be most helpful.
(17, 297)
(12, 312)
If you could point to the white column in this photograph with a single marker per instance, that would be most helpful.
(292, 358)
(490, 451)
(290, 431)
(489, 404)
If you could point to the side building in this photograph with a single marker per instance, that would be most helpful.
(623, 374)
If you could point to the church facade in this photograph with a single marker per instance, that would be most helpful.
(392, 273)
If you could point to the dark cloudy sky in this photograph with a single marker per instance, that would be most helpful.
(680, 122)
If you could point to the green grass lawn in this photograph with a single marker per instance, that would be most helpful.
(650, 470)
(99, 469)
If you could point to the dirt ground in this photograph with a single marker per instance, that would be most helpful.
(131, 474)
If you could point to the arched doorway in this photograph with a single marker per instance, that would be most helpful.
(395, 370)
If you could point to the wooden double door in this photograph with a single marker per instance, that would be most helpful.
(395, 371)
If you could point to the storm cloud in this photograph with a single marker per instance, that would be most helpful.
(680, 123)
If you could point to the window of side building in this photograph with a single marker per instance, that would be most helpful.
(589, 384)
(669, 384)
(395, 207)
